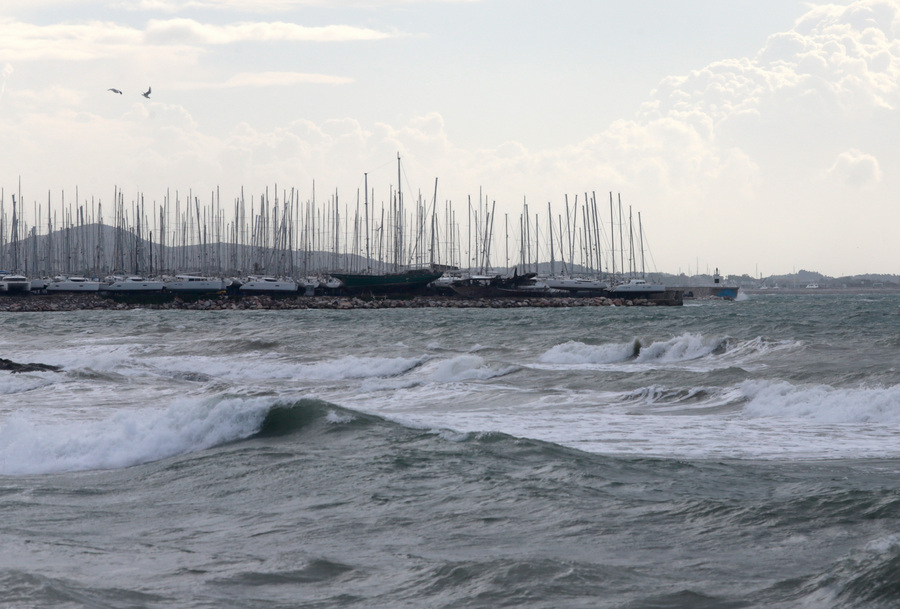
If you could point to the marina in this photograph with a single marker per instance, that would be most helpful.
(292, 245)
(279, 244)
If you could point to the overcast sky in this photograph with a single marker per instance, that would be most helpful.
(757, 136)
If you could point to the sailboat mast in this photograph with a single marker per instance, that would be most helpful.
(612, 236)
(366, 184)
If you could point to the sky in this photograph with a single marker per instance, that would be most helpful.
(755, 136)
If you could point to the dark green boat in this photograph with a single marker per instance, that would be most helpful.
(389, 283)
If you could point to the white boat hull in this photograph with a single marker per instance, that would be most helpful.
(15, 284)
(258, 286)
(191, 284)
(73, 285)
(134, 285)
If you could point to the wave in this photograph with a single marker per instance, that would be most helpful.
(574, 352)
(685, 348)
(821, 403)
(288, 419)
(31, 446)
(466, 368)
(267, 367)
(679, 349)
(20, 383)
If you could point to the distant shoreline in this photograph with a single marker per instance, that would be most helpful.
(847, 291)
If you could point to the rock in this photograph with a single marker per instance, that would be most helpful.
(14, 367)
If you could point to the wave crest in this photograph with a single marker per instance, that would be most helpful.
(31, 446)
(679, 349)
(821, 403)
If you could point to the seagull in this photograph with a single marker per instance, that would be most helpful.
(115, 91)
(147, 94)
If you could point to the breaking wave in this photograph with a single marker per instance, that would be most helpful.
(466, 368)
(30, 446)
(821, 403)
(679, 349)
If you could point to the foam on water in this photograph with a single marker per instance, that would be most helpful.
(686, 347)
(258, 366)
(688, 350)
(682, 348)
(574, 352)
(96, 356)
(465, 368)
(19, 383)
(744, 420)
(30, 446)
(821, 403)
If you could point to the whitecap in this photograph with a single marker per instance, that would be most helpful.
(821, 403)
(30, 446)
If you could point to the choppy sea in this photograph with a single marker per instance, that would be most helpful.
(716, 455)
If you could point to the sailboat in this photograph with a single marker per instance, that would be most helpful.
(407, 280)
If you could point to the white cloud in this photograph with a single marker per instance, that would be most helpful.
(264, 6)
(181, 31)
(854, 168)
(66, 42)
(268, 79)
(175, 37)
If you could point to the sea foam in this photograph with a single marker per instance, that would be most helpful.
(679, 349)
(466, 368)
(267, 367)
(821, 403)
(28, 446)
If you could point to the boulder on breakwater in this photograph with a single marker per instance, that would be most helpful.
(221, 302)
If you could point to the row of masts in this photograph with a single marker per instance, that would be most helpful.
(279, 233)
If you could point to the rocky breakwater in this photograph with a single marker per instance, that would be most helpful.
(82, 302)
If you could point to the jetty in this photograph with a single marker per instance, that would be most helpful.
(223, 302)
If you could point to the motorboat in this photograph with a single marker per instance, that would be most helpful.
(133, 283)
(637, 287)
(14, 283)
(73, 283)
(535, 287)
(195, 284)
(575, 284)
(268, 285)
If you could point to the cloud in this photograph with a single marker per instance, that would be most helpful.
(189, 31)
(67, 42)
(4, 76)
(856, 169)
(265, 79)
(99, 39)
(809, 92)
(267, 6)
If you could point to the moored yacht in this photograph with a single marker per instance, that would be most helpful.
(574, 284)
(194, 284)
(134, 283)
(73, 283)
(13, 283)
(637, 287)
(268, 285)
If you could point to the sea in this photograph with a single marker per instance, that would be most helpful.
(716, 455)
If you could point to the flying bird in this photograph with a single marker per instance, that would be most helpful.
(115, 91)
(147, 94)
